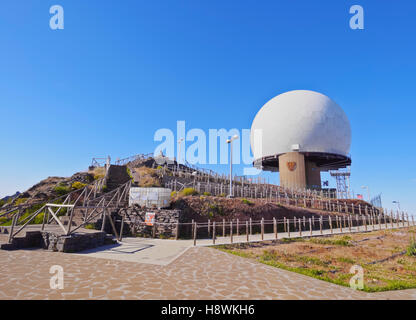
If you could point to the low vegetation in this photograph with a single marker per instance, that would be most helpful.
(62, 190)
(387, 257)
(146, 177)
(20, 201)
(78, 185)
(245, 201)
(188, 192)
(411, 248)
(98, 173)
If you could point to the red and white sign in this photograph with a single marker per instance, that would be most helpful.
(149, 219)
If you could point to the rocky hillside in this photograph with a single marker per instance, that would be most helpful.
(50, 188)
(202, 208)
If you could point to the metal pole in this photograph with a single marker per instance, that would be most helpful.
(231, 168)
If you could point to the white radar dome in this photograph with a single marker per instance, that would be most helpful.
(300, 120)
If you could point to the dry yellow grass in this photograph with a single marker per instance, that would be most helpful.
(146, 177)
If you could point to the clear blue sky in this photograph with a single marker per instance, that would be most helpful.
(120, 70)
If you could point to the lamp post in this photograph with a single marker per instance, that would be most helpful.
(230, 141)
(179, 150)
(368, 192)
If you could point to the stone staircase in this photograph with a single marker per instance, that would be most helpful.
(116, 176)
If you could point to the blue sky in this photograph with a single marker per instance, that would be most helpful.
(120, 70)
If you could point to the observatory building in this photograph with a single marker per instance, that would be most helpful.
(301, 133)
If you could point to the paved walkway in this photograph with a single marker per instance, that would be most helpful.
(163, 252)
(199, 273)
(141, 250)
(166, 269)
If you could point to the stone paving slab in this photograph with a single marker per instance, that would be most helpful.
(199, 273)
(141, 250)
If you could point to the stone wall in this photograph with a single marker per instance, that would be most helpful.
(72, 243)
(165, 226)
(32, 239)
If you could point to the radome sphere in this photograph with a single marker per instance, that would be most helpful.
(300, 118)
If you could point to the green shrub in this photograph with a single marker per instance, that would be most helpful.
(207, 193)
(39, 218)
(188, 192)
(411, 248)
(2, 202)
(61, 190)
(4, 220)
(214, 210)
(89, 226)
(222, 195)
(78, 185)
(173, 194)
(344, 241)
(245, 201)
(129, 173)
(20, 201)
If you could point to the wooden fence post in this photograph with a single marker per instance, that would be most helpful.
(251, 227)
(349, 223)
(209, 227)
(14, 222)
(223, 227)
(262, 228)
(310, 226)
(300, 228)
(284, 224)
(288, 228)
(177, 231)
(340, 223)
(238, 226)
(330, 224)
(247, 230)
(392, 219)
(320, 224)
(231, 231)
(275, 227)
(365, 221)
(195, 230)
(213, 232)
(103, 218)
